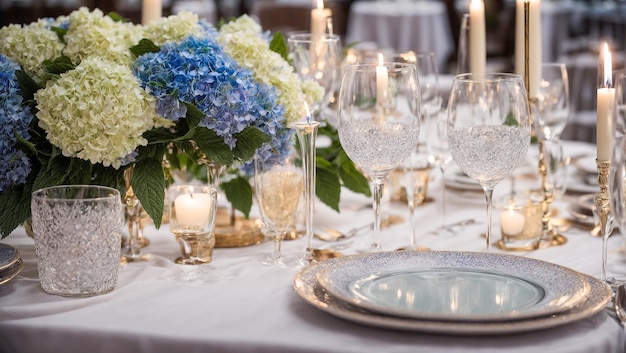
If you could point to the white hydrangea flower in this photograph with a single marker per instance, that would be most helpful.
(242, 40)
(94, 34)
(97, 112)
(30, 45)
(173, 28)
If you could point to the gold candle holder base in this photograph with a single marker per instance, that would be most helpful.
(236, 231)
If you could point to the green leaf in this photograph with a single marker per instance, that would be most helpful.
(209, 144)
(148, 183)
(14, 208)
(58, 66)
(248, 141)
(116, 17)
(194, 115)
(327, 186)
(279, 45)
(60, 32)
(510, 120)
(79, 172)
(28, 86)
(353, 179)
(144, 46)
(239, 194)
(159, 136)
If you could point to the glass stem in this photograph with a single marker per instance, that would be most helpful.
(277, 247)
(489, 198)
(410, 196)
(443, 196)
(379, 186)
(306, 136)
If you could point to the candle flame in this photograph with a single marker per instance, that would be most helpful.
(608, 67)
(320, 4)
(380, 59)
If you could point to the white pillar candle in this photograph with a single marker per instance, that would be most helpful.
(192, 209)
(604, 111)
(150, 11)
(381, 81)
(477, 49)
(318, 19)
(534, 43)
(512, 221)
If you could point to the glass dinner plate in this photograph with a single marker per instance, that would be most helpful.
(453, 286)
(306, 286)
(8, 255)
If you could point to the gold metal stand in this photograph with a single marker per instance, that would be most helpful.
(549, 235)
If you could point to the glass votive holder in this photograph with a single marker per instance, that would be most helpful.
(78, 235)
(193, 211)
(520, 223)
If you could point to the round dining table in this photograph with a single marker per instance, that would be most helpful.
(237, 304)
(400, 26)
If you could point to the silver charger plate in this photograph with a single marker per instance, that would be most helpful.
(453, 286)
(8, 255)
(306, 286)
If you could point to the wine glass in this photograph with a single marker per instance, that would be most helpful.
(278, 187)
(316, 58)
(378, 109)
(553, 101)
(615, 274)
(488, 129)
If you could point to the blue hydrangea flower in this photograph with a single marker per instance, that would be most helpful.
(197, 71)
(14, 121)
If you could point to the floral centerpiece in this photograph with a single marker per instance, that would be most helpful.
(88, 96)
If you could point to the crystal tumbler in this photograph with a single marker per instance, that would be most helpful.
(77, 233)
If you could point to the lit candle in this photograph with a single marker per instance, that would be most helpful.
(381, 81)
(604, 112)
(318, 19)
(512, 221)
(150, 11)
(192, 209)
(477, 49)
(534, 43)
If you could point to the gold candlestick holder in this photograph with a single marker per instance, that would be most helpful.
(550, 237)
(601, 201)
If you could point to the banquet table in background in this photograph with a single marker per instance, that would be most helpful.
(420, 26)
(247, 307)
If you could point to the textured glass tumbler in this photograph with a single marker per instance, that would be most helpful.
(77, 232)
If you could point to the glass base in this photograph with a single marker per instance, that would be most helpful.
(135, 258)
(286, 262)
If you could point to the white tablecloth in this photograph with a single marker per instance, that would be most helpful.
(421, 26)
(249, 307)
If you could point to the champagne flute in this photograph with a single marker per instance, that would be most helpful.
(316, 58)
(378, 109)
(616, 275)
(553, 101)
(488, 129)
(278, 186)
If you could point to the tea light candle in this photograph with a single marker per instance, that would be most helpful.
(382, 79)
(318, 19)
(150, 11)
(534, 43)
(512, 221)
(604, 111)
(192, 209)
(477, 49)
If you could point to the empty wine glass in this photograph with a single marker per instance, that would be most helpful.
(488, 129)
(553, 101)
(278, 186)
(379, 108)
(316, 59)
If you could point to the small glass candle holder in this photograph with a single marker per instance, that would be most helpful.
(520, 223)
(192, 220)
